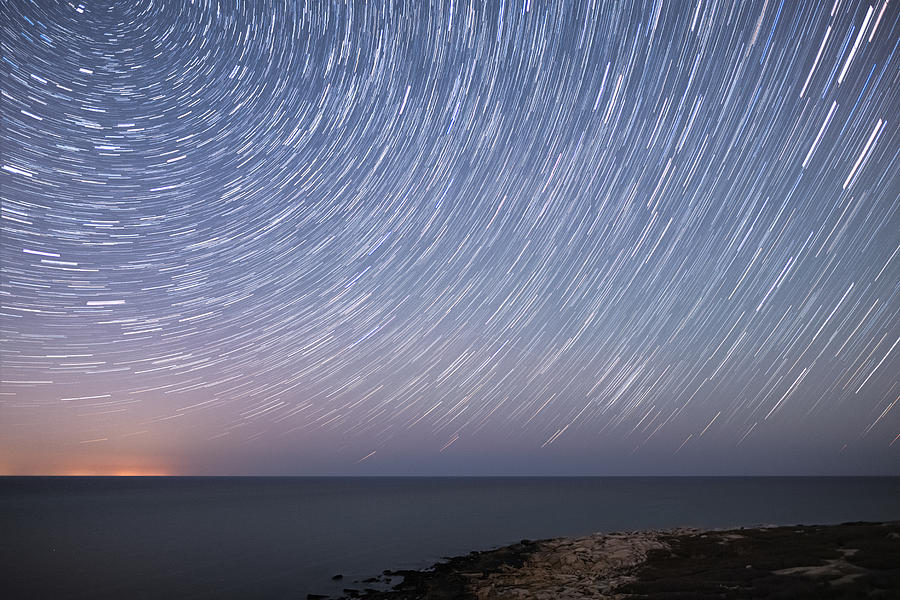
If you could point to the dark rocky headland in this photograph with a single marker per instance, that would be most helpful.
(851, 560)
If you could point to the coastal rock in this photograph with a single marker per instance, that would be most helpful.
(859, 560)
(588, 567)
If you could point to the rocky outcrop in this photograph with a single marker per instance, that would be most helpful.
(852, 560)
(569, 568)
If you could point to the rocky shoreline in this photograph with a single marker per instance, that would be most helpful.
(851, 560)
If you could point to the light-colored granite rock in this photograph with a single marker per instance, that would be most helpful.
(570, 569)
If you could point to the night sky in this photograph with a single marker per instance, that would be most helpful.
(505, 237)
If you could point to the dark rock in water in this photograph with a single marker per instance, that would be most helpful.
(315, 597)
(449, 580)
(370, 580)
(351, 592)
(337, 577)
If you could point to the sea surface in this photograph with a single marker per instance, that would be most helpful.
(285, 537)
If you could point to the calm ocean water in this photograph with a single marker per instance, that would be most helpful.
(87, 537)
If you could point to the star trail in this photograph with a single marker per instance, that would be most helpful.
(369, 230)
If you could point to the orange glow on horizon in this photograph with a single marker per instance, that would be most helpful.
(119, 473)
(83, 472)
(90, 468)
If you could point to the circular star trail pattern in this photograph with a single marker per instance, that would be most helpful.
(661, 223)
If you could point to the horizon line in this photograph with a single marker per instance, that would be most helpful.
(445, 476)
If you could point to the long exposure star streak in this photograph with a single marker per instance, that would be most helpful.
(348, 235)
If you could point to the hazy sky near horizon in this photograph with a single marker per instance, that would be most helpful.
(458, 237)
